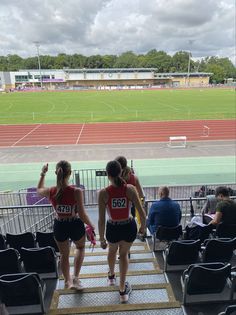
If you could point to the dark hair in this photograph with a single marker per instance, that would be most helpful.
(122, 160)
(63, 170)
(126, 170)
(222, 190)
(113, 169)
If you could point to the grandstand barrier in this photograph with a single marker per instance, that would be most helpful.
(177, 142)
(92, 184)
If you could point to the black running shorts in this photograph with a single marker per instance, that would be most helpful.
(64, 230)
(121, 232)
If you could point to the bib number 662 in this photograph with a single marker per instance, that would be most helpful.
(118, 202)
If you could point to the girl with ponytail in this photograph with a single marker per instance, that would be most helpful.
(121, 228)
(70, 217)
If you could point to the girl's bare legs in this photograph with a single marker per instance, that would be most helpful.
(111, 257)
(64, 248)
(124, 248)
(79, 255)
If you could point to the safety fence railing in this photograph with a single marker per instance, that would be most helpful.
(20, 219)
(91, 186)
(33, 218)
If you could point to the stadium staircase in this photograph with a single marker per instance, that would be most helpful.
(152, 294)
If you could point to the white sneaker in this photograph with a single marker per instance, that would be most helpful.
(111, 280)
(77, 285)
(124, 296)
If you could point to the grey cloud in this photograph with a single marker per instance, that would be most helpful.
(114, 26)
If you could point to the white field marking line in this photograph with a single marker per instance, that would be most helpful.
(124, 107)
(52, 108)
(9, 107)
(80, 133)
(109, 105)
(66, 108)
(26, 135)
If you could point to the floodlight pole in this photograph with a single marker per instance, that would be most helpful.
(39, 64)
(190, 41)
(189, 54)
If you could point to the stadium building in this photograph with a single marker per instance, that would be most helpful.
(100, 79)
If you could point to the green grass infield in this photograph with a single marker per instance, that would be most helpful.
(113, 106)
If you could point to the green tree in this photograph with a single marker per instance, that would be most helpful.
(126, 60)
(218, 73)
(15, 62)
(180, 61)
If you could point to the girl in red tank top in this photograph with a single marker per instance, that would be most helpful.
(70, 217)
(121, 228)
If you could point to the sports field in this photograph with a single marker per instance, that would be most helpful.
(27, 122)
(113, 106)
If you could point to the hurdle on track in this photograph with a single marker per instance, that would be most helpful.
(177, 142)
(205, 131)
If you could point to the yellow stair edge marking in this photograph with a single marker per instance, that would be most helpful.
(114, 308)
(104, 262)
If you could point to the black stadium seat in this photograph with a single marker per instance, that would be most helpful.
(40, 260)
(22, 293)
(206, 282)
(46, 239)
(3, 244)
(180, 254)
(166, 234)
(220, 250)
(9, 261)
(17, 241)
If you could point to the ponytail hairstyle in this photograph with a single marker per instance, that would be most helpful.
(113, 169)
(126, 170)
(63, 170)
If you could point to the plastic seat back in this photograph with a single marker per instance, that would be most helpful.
(46, 239)
(219, 250)
(40, 260)
(3, 244)
(164, 233)
(18, 290)
(183, 252)
(207, 278)
(17, 241)
(9, 261)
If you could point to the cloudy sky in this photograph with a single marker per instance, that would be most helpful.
(88, 27)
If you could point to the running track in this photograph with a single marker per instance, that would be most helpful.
(128, 132)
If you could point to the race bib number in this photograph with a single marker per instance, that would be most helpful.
(119, 203)
(64, 209)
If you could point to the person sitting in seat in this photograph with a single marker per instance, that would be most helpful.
(209, 208)
(164, 212)
(225, 208)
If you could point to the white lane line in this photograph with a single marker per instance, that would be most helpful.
(26, 135)
(80, 133)
(52, 108)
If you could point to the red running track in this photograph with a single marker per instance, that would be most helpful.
(128, 132)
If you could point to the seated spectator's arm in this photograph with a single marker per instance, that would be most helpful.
(217, 218)
(151, 219)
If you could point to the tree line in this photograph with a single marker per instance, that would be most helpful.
(221, 68)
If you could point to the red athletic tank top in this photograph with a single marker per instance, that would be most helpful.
(118, 206)
(131, 179)
(68, 205)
